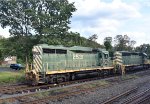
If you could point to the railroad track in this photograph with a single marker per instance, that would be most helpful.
(115, 98)
(22, 89)
(34, 90)
(10, 88)
(25, 99)
(45, 100)
(140, 98)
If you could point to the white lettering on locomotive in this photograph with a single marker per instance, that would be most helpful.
(77, 56)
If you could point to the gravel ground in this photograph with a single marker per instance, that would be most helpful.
(141, 80)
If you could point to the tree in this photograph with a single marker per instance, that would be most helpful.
(2, 48)
(93, 37)
(131, 45)
(92, 41)
(35, 17)
(123, 43)
(108, 43)
(143, 48)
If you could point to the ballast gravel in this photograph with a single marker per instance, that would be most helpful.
(101, 94)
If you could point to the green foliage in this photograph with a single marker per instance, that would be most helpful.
(13, 45)
(31, 20)
(91, 42)
(52, 17)
(123, 43)
(144, 48)
(69, 39)
(35, 22)
(3, 41)
(108, 43)
(15, 77)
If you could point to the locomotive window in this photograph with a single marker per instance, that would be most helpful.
(140, 54)
(106, 56)
(100, 55)
(60, 51)
(126, 54)
(95, 51)
(50, 51)
(78, 51)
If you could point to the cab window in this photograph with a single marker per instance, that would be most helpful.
(100, 55)
(105, 56)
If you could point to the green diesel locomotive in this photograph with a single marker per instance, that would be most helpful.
(54, 64)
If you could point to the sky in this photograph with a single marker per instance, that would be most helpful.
(108, 18)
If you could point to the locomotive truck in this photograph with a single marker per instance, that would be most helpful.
(55, 64)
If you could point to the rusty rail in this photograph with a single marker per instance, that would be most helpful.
(24, 99)
(109, 101)
(24, 88)
(139, 98)
(60, 96)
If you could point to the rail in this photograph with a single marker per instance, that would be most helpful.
(138, 98)
(109, 101)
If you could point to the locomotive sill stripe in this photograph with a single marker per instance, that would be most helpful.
(38, 64)
(68, 70)
(39, 49)
(37, 67)
(118, 57)
(118, 60)
(38, 59)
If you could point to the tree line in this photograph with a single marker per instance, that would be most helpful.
(34, 22)
(124, 43)
(12, 46)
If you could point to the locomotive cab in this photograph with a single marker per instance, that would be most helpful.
(145, 58)
(104, 58)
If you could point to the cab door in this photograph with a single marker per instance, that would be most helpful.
(99, 59)
(105, 59)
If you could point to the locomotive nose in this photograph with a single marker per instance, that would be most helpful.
(32, 78)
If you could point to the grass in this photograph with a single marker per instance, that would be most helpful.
(11, 77)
